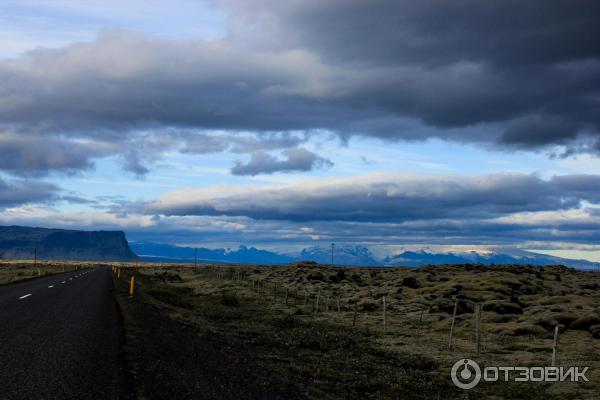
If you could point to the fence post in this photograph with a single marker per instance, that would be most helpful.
(338, 303)
(452, 326)
(478, 327)
(555, 347)
(384, 316)
(317, 302)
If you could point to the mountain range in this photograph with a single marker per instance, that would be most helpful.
(19, 242)
(169, 253)
(349, 255)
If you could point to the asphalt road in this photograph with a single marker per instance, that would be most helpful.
(61, 338)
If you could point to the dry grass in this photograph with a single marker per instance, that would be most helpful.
(521, 307)
(14, 271)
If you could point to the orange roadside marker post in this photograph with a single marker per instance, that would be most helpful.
(131, 285)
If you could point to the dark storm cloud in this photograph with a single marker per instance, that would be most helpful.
(536, 130)
(514, 73)
(500, 209)
(151, 82)
(17, 192)
(426, 31)
(387, 198)
(231, 231)
(446, 231)
(154, 85)
(451, 63)
(296, 160)
(31, 155)
(219, 85)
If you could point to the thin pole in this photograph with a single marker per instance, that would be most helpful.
(452, 327)
(195, 258)
(332, 250)
(478, 327)
(384, 316)
(555, 347)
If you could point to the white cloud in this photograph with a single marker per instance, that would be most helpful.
(390, 197)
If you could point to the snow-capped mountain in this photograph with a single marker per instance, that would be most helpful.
(170, 253)
(504, 256)
(344, 255)
(350, 255)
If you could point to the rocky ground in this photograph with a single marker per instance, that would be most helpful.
(315, 332)
(278, 332)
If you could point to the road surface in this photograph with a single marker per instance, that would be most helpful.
(61, 338)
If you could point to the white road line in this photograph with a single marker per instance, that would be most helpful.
(50, 287)
(24, 297)
(63, 282)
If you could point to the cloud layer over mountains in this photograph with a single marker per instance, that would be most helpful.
(402, 208)
(388, 198)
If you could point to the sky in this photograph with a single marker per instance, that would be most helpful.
(387, 124)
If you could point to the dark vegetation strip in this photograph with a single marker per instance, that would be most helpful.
(221, 346)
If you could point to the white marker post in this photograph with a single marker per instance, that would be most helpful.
(452, 326)
(555, 347)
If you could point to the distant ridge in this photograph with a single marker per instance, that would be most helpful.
(20, 242)
(350, 255)
(169, 253)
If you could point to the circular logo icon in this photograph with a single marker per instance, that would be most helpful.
(466, 373)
